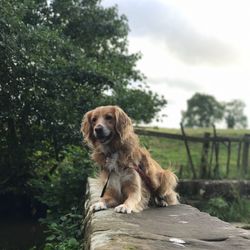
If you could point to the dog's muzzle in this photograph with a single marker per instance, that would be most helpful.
(102, 134)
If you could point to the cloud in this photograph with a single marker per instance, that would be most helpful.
(183, 84)
(151, 18)
(194, 48)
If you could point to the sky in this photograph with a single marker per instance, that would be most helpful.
(191, 46)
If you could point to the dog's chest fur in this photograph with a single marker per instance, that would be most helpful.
(118, 175)
(111, 163)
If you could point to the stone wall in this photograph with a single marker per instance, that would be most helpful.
(211, 188)
(173, 227)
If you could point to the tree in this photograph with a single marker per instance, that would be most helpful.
(202, 111)
(58, 61)
(234, 114)
(140, 104)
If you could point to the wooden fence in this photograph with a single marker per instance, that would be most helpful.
(209, 166)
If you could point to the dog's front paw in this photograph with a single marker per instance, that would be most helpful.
(98, 206)
(108, 161)
(123, 209)
(160, 201)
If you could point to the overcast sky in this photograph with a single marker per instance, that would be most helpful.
(191, 46)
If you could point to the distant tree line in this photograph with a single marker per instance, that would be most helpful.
(204, 111)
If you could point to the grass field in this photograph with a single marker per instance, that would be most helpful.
(170, 152)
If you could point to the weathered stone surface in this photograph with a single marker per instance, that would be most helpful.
(173, 227)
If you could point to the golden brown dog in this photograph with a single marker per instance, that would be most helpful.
(133, 176)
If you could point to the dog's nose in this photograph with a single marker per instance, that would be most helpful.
(99, 129)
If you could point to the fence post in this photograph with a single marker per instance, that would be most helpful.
(245, 153)
(216, 151)
(204, 173)
(228, 156)
(238, 157)
(188, 152)
(211, 159)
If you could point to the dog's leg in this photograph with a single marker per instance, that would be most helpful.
(166, 193)
(169, 198)
(132, 191)
(160, 201)
(108, 200)
(172, 198)
(100, 205)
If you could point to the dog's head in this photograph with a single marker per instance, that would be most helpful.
(104, 124)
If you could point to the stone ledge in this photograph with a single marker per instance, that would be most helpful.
(173, 227)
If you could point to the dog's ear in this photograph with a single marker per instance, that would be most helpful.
(123, 124)
(86, 128)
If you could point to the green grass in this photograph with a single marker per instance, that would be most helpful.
(170, 152)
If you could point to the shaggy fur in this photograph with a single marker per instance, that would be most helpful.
(115, 147)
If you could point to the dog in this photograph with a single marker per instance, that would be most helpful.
(132, 177)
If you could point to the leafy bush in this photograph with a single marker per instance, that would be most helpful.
(235, 210)
(65, 232)
(217, 207)
(63, 193)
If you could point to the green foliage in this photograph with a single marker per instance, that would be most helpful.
(56, 189)
(63, 193)
(217, 207)
(232, 211)
(140, 104)
(58, 61)
(65, 233)
(202, 111)
(234, 114)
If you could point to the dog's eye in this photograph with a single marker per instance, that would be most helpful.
(94, 119)
(108, 117)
